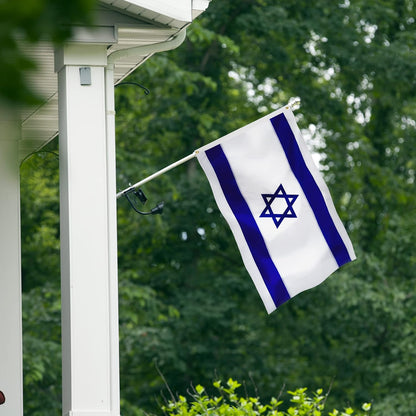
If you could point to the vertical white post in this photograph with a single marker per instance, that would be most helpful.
(90, 379)
(11, 375)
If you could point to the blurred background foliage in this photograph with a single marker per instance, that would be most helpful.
(188, 309)
(24, 23)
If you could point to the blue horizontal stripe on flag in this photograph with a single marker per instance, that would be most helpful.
(310, 189)
(248, 225)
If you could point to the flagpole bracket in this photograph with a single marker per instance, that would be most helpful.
(133, 195)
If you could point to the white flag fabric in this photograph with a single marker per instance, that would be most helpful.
(277, 205)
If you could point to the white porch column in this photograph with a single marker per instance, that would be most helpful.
(11, 375)
(90, 363)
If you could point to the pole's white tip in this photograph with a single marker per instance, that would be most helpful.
(294, 103)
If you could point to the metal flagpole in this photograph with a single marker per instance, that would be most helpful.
(156, 174)
(293, 104)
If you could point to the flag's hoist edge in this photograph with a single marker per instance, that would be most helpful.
(251, 243)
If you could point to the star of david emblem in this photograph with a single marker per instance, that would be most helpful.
(282, 203)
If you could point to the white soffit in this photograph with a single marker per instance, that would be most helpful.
(120, 24)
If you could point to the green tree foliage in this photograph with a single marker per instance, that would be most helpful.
(188, 309)
(41, 283)
(40, 216)
(42, 350)
(349, 62)
(28, 22)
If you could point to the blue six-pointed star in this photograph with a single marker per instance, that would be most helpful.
(288, 212)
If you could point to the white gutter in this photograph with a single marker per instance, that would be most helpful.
(138, 51)
(144, 50)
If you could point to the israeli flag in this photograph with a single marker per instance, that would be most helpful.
(277, 205)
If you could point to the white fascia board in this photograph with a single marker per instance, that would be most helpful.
(177, 10)
(198, 7)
